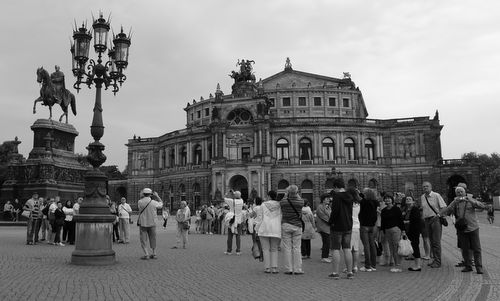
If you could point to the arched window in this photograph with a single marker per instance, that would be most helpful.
(370, 149)
(282, 185)
(196, 196)
(182, 192)
(171, 197)
(239, 117)
(328, 149)
(209, 151)
(282, 149)
(349, 149)
(171, 158)
(183, 156)
(197, 155)
(164, 158)
(306, 191)
(305, 149)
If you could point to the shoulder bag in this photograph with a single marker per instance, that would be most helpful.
(138, 221)
(461, 222)
(442, 219)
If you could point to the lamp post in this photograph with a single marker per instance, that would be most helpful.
(94, 221)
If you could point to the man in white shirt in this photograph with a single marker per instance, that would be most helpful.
(235, 203)
(432, 203)
(147, 206)
(124, 212)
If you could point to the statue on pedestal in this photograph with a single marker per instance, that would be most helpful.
(53, 91)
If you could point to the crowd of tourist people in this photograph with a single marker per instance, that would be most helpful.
(347, 221)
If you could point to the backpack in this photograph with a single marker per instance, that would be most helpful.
(203, 214)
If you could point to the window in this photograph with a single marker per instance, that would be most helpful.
(302, 102)
(370, 149)
(345, 102)
(282, 149)
(207, 112)
(197, 155)
(198, 114)
(192, 116)
(286, 101)
(349, 149)
(209, 151)
(271, 100)
(182, 192)
(305, 149)
(164, 158)
(183, 156)
(245, 154)
(317, 101)
(239, 117)
(332, 102)
(171, 158)
(328, 149)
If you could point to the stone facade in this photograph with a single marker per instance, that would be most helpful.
(291, 128)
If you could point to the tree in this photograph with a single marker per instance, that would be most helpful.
(489, 171)
(112, 172)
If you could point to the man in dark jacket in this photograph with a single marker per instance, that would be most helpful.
(341, 227)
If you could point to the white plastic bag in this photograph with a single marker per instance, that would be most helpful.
(404, 247)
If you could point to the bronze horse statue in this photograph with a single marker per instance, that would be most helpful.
(50, 96)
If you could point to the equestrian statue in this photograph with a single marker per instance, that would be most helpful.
(53, 91)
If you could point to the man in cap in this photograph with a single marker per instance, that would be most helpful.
(147, 206)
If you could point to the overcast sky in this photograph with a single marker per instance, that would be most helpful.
(409, 58)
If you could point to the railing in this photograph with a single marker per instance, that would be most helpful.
(352, 161)
(330, 162)
(372, 162)
(306, 162)
(283, 162)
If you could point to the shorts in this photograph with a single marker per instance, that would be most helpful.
(355, 239)
(341, 239)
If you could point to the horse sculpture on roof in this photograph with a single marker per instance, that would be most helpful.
(52, 93)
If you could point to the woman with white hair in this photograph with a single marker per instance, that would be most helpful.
(464, 208)
(183, 218)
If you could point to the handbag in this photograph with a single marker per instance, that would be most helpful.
(26, 213)
(378, 246)
(231, 221)
(404, 246)
(130, 221)
(138, 222)
(442, 219)
(461, 222)
(186, 225)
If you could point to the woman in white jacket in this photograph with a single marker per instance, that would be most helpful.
(268, 227)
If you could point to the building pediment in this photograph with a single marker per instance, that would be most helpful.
(298, 79)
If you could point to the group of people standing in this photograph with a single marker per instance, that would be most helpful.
(50, 218)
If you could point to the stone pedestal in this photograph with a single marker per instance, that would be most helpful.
(93, 244)
(52, 168)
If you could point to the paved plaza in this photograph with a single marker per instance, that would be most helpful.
(203, 272)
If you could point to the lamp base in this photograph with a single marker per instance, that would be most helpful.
(93, 245)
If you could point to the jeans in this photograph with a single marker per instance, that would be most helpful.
(145, 234)
(370, 249)
(470, 241)
(291, 236)
(45, 227)
(435, 229)
(270, 251)
(181, 236)
(124, 226)
(393, 235)
(325, 248)
(230, 239)
(33, 227)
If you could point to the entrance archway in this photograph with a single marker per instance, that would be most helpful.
(452, 182)
(239, 183)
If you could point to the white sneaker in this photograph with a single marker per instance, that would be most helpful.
(395, 270)
(363, 269)
(228, 253)
(355, 269)
(61, 244)
(326, 260)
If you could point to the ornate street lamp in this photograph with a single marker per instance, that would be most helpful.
(94, 221)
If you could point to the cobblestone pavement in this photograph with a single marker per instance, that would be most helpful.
(203, 272)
